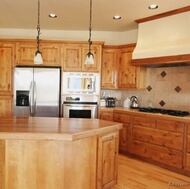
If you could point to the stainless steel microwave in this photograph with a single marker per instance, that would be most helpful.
(81, 83)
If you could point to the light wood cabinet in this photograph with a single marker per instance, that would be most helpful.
(117, 72)
(72, 57)
(106, 114)
(75, 55)
(158, 140)
(187, 148)
(129, 77)
(107, 160)
(125, 132)
(7, 51)
(25, 52)
(109, 68)
(6, 106)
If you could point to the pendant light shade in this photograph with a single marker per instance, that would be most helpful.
(38, 58)
(38, 55)
(90, 56)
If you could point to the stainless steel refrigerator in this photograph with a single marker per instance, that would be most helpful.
(37, 92)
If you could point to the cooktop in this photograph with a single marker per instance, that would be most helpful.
(165, 111)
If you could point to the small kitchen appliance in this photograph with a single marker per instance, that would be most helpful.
(134, 102)
(110, 102)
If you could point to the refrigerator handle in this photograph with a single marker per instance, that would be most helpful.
(31, 99)
(35, 98)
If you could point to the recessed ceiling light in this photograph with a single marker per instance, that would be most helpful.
(52, 15)
(117, 17)
(153, 6)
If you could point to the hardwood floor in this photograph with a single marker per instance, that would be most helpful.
(135, 174)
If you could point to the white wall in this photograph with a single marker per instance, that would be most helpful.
(110, 38)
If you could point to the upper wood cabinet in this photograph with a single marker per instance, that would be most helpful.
(25, 52)
(109, 68)
(129, 77)
(7, 51)
(72, 58)
(75, 54)
(117, 72)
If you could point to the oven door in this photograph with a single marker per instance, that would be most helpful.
(80, 111)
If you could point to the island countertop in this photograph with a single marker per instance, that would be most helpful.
(43, 128)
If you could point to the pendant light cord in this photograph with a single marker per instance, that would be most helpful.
(38, 27)
(90, 27)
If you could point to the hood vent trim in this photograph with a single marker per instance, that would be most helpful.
(164, 39)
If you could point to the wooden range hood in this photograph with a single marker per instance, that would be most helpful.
(163, 39)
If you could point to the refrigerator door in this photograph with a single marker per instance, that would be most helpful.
(42, 87)
(47, 91)
(22, 80)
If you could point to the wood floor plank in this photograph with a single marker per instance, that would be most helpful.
(135, 174)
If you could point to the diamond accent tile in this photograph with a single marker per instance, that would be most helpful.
(162, 103)
(149, 88)
(163, 74)
(178, 89)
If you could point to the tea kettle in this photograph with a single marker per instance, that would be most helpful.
(134, 102)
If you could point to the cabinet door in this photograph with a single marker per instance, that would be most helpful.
(109, 69)
(72, 58)
(125, 138)
(96, 51)
(107, 160)
(106, 116)
(126, 72)
(6, 106)
(25, 52)
(6, 68)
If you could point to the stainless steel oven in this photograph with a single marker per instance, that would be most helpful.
(78, 109)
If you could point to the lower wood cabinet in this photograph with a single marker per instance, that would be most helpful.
(161, 140)
(187, 149)
(6, 106)
(107, 160)
(106, 114)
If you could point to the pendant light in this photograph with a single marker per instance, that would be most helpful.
(90, 56)
(38, 55)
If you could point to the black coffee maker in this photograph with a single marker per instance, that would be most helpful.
(110, 102)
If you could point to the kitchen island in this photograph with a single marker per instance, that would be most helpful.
(58, 153)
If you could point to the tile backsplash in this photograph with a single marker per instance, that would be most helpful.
(167, 87)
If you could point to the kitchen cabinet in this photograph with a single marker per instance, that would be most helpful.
(117, 72)
(6, 106)
(6, 68)
(129, 77)
(75, 55)
(125, 132)
(109, 68)
(158, 140)
(25, 52)
(107, 160)
(106, 114)
(187, 148)
(7, 51)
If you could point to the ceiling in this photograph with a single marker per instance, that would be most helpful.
(74, 14)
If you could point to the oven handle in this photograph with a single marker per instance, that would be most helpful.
(86, 106)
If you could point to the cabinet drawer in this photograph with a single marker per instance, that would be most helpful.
(187, 164)
(123, 118)
(157, 153)
(188, 129)
(144, 121)
(188, 143)
(158, 137)
(173, 126)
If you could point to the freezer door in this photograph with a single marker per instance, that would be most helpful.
(47, 81)
(22, 81)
